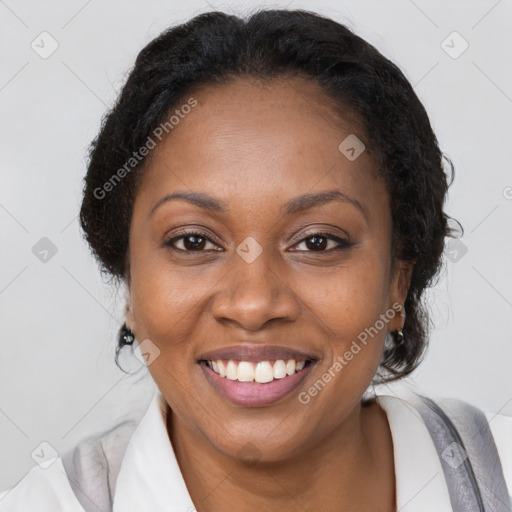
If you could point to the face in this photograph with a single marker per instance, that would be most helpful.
(245, 264)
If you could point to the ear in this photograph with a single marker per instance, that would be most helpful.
(400, 283)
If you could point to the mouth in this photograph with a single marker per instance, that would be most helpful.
(260, 372)
(255, 376)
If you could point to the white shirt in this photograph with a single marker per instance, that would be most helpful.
(150, 479)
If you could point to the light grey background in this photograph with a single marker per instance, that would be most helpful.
(58, 321)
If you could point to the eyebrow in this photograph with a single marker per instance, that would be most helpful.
(295, 205)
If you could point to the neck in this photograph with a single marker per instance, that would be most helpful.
(350, 469)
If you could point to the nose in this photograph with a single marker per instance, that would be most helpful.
(254, 294)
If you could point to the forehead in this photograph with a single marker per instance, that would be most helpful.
(251, 141)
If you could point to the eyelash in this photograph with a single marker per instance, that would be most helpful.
(343, 244)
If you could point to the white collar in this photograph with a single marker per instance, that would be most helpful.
(150, 478)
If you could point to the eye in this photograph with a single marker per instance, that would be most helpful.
(192, 241)
(318, 242)
(195, 241)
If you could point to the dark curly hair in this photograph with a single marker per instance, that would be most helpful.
(215, 47)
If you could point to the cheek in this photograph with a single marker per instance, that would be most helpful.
(166, 302)
(166, 306)
(347, 304)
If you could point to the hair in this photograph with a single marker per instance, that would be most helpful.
(214, 48)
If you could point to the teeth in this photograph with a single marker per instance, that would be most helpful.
(261, 372)
(245, 372)
(279, 369)
(264, 372)
(231, 370)
(221, 368)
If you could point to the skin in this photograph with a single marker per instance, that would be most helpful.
(255, 146)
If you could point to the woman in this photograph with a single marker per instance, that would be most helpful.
(271, 193)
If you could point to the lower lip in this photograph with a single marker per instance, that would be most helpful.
(254, 394)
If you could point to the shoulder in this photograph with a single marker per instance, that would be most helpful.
(464, 414)
(486, 437)
(479, 429)
(84, 475)
(473, 420)
(44, 490)
(501, 428)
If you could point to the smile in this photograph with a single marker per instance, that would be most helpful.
(255, 384)
(261, 372)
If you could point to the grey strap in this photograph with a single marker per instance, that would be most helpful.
(93, 466)
(468, 454)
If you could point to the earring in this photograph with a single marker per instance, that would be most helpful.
(126, 336)
(399, 337)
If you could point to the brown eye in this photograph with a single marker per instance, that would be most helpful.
(318, 242)
(192, 241)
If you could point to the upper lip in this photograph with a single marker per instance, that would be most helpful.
(254, 353)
